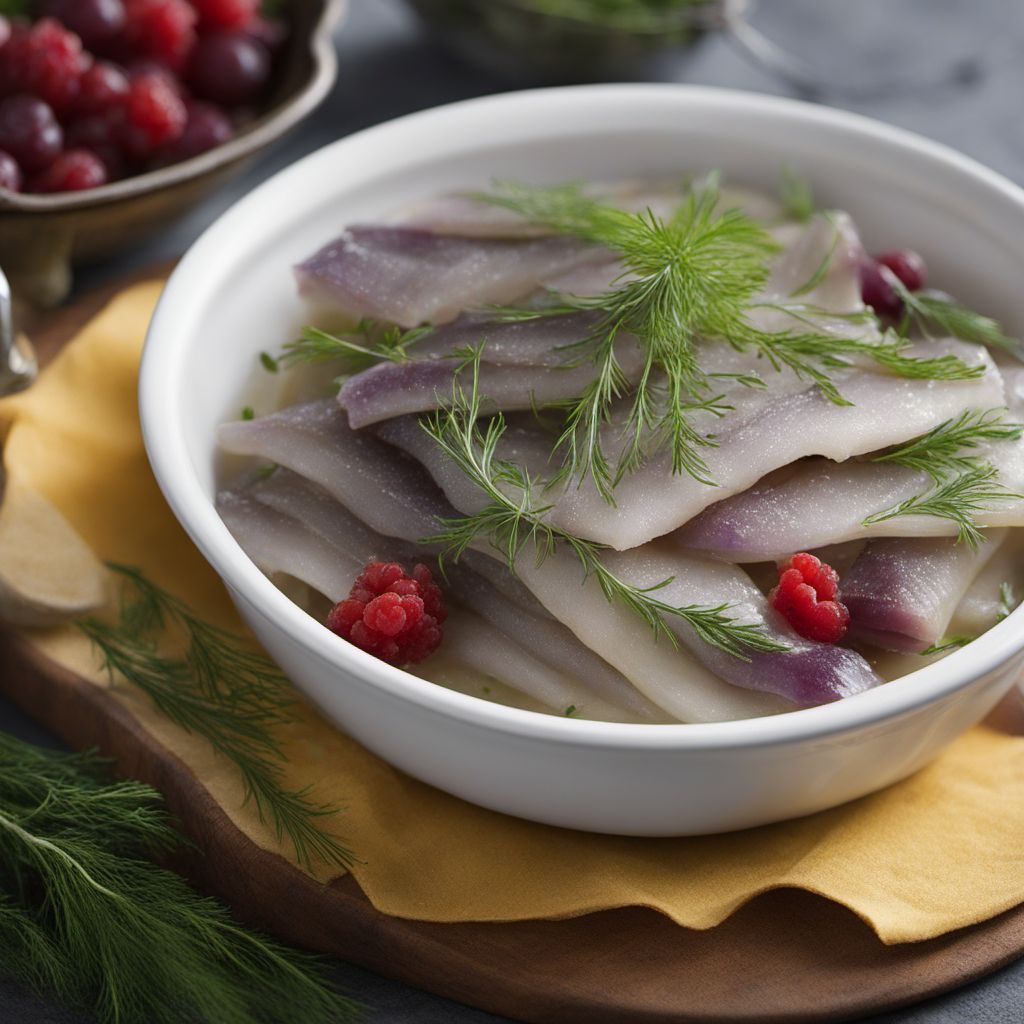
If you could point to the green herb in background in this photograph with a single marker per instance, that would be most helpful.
(620, 15)
(86, 917)
(221, 691)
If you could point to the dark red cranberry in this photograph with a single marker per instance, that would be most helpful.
(229, 68)
(161, 29)
(908, 266)
(29, 131)
(96, 22)
(102, 134)
(877, 291)
(73, 171)
(208, 126)
(45, 60)
(103, 86)
(155, 116)
(10, 172)
(226, 13)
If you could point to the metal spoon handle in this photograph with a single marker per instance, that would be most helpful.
(18, 367)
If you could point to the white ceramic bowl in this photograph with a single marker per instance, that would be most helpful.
(233, 295)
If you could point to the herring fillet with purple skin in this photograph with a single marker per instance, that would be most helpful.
(902, 592)
(394, 497)
(767, 429)
(810, 673)
(409, 277)
(398, 497)
(492, 592)
(279, 543)
(523, 365)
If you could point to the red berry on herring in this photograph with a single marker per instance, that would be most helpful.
(807, 597)
(395, 616)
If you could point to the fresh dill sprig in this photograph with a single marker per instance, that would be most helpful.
(796, 196)
(85, 916)
(376, 343)
(510, 522)
(951, 447)
(688, 277)
(933, 311)
(217, 689)
(958, 499)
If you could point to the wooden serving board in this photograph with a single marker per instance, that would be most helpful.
(786, 956)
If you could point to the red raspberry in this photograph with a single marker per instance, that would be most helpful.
(226, 13)
(155, 115)
(161, 29)
(808, 598)
(390, 614)
(103, 86)
(72, 171)
(10, 172)
(44, 60)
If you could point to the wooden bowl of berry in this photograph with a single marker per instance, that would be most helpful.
(116, 115)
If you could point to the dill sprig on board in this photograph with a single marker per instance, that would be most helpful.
(367, 344)
(958, 499)
(511, 522)
(951, 447)
(691, 276)
(217, 689)
(86, 917)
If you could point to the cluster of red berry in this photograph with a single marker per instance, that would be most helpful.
(96, 90)
(808, 598)
(392, 615)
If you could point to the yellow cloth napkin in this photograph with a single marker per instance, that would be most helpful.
(942, 850)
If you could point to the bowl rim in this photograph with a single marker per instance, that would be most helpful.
(171, 463)
(259, 133)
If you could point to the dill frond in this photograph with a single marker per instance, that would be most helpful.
(958, 499)
(218, 689)
(366, 345)
(693, 275)
(951, 447)
(87, 917)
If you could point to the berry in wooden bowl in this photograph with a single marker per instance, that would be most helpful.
(117, 115)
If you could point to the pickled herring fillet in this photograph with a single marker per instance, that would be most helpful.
(477, 582)
(818, 502)
(279, 543)
(667, 676)
(902, 592)
(548, 639)
(377, 483)
(768, 429)
(523, 366)
(808, 674)
(409, 276)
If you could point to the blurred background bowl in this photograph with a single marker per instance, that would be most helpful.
(43, 236)
(555, 41)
